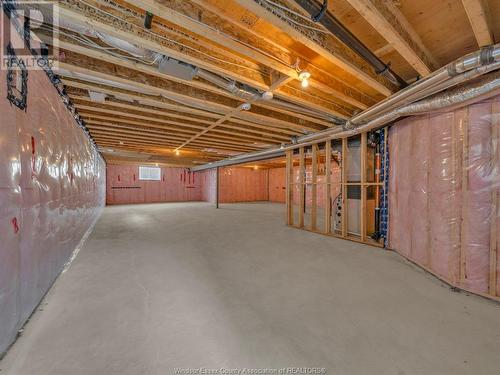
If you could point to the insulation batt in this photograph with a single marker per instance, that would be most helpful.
(444, 181)
(52, 189)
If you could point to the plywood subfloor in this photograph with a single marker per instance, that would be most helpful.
(163, 286)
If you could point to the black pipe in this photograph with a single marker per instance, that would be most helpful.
(333, 25)
(148, 20)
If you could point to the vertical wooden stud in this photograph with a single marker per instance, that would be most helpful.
(314, 186)
(328, 187)
(465, 205)
(289, 187)
(302, 170)
(495, 110)
(344, 188)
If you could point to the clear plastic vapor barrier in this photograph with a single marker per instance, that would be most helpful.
(444, 194)
(52, 188)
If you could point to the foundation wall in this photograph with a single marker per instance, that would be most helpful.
(52, 189)
(238, 184)
(277, 185)
(444, 193)
(176, 185)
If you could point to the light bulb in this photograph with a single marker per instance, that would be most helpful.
(177, 152)
(304, 83)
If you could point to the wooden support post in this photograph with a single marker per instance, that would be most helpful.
(494, 198)
(314, 187)
(289, 187)
(302, 170)
(465, 205)
(217, 188)
(363, 186)
(328, 187)
(344, 188)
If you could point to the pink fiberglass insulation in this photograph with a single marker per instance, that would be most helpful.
(444, 177)
(419, 191)
(239, 184)
(52, 189)
(400, 225)
(442, 194)
(277, 185)
(478, 198)
(208, 181)
(175, 185)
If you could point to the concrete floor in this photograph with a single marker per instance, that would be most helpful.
(183, 285)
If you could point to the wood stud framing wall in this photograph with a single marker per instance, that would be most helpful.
(309, 198)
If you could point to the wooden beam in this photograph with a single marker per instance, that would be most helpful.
(196, 17)
(300, 97)
(302, 171)
(314, 187)
(393, 26)
(363, 186)
(155, 106)
(465, 200)
(91, 124)
(289, 186)
(344, 188)
(331, 48)
(99, 135)
(321, 78)
(328, 187)
(124, 25)
(382, 51)
(495, 156)
(190, 98)
(479, 18)
(88, 112)
(234, 112)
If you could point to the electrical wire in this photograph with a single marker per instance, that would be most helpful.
(279, 6)
(172, 40)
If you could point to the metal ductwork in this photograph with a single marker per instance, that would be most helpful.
(333, 25)
(244, 93)
(421, 97)
(249, 94)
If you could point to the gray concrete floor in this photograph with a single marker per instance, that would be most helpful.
(183, 285)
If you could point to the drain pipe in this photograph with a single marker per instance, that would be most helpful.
(482, 89)
(404, 102)
(461, 96)
(319, 14)
(420, 89)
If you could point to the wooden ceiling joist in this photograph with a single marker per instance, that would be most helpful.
(236, 131)
(190, 96)
(165, 136)
(164, 143)
(325, 45)
(105, 120)
(393, 26)
(479, 18)
(160, 107)
(195, 17)
(126, 26)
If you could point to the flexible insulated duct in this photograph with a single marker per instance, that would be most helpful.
(405, 102)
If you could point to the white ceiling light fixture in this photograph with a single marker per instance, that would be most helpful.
(304, 78)
(267, 95)
(246, 106)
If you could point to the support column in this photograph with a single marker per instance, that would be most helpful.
(217, 188)
(289, 187)
(328, 187)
